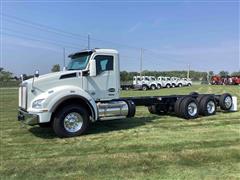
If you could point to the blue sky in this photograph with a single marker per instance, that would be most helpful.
(173, 34)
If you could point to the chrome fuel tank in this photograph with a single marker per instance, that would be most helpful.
(112, 110)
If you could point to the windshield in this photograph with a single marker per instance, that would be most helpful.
(78, 62)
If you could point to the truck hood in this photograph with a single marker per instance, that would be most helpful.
(50, 80)
(49, 76)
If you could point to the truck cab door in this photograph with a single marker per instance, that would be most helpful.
(105, 85)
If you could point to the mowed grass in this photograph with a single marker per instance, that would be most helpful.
(144, 147)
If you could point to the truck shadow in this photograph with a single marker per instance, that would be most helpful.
(99, 127)
(119, 124)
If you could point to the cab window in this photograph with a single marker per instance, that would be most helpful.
(104, 63)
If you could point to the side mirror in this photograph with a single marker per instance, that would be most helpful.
(92, 68)
(36, 73)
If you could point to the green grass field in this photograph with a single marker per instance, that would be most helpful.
(144, 147)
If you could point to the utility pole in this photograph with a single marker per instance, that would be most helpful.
(88, 41)
(141, 59)
(64, 59)
(188, 72)
(208, 78)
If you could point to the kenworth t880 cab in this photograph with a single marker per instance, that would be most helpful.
(89, 90)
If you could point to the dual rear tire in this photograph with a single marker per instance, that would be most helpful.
(188, 107)
(207, 105)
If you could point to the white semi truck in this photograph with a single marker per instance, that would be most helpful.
(89, 90)
(187, 82)
(165, 81)
(145, 82)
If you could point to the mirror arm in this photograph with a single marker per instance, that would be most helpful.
(85, 73)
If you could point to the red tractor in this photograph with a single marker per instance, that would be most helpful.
(216, 80)
(228, 80)
(236, 80)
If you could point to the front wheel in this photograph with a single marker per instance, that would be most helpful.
(144, 88)
(153, 87)
(70, 121)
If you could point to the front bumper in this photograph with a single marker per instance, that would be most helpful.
(27, 118)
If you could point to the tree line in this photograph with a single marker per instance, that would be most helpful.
(7, 76)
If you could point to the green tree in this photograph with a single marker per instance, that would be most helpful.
(211, 74)
(55, 68)
(236, 73)
(223, 73)
(5, 75)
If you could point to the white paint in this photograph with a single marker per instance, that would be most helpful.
(234, 104)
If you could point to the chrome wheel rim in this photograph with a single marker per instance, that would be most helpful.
(211, 107)
(73, 122)
(192, 109)
(228, 102)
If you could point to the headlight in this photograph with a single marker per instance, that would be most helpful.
(38, 104)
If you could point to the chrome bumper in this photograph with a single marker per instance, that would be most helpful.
(27, 118)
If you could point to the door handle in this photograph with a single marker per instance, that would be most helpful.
(111, 90)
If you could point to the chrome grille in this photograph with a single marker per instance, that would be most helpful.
(22, 95)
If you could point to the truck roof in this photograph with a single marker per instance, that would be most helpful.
(106, 50)
(99, 50)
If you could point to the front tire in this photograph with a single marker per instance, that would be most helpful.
(159, 86)
(144, 88)
(153, 87)
(71, 121)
